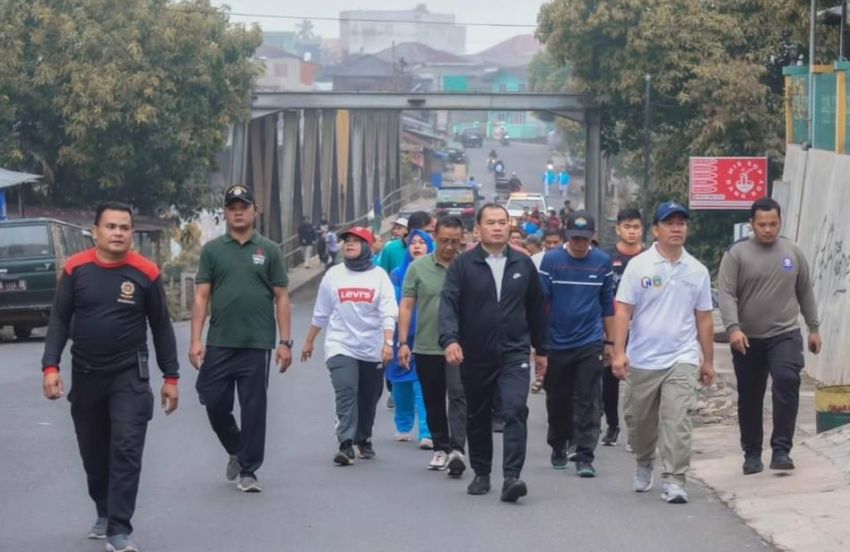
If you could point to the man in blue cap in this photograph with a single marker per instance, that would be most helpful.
(664, 306)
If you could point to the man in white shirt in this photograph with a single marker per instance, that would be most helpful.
(666, 295)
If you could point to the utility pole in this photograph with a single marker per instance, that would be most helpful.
(842, 31)
(811, 115)
(647, 141)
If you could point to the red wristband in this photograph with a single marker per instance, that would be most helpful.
(50, 370)
(172, 381)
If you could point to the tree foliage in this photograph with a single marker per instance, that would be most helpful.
(715, 69)
(121, 99)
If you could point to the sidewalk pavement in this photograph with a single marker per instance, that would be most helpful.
(803, 510)
(301, 277)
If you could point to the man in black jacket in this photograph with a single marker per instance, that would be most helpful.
(107, 297)
(491, 313)
(306, 238)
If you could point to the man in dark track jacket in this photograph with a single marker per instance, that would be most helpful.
(107, 297)
(491, 313)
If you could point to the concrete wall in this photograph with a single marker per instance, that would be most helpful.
(815, 205)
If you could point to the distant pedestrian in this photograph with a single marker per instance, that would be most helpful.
(577, 283)
(666, 294)
(764, 284)
(105, 299)
(565, 211)
(420, 302)
(377, 248)
(356, 307)
(551, 240)
(306, 238)
(629, 244)
(550, 177)
(564, 181)
(491, 313)
(241, 283)
(331, 246)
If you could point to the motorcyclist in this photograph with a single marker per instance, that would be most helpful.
(515, 183)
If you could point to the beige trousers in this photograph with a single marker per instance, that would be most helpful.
(658, 405)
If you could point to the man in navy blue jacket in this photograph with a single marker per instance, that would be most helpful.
(577, 283)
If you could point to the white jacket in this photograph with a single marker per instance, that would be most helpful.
(355, 308)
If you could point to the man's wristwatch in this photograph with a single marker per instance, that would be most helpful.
(608, 342)
(285, 343)
(402, 343)
(388, 343)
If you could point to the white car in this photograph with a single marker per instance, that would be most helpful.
(519, 202)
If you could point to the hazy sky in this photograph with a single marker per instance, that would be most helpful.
(478, 11)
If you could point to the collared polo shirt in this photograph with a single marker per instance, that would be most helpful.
(243, 278)
(665, 295)
(424, 282)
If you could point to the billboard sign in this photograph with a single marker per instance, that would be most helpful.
(727, 182)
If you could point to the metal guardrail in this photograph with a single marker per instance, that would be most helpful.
(391, 204)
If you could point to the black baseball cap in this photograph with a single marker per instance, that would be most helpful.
(580, 224)
(238, 193)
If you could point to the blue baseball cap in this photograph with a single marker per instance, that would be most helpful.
(670, 208)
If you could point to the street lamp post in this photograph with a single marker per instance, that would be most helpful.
(647, 142)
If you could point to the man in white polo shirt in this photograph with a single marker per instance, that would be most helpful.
(666, 295)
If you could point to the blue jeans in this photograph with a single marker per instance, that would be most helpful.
(409, 405)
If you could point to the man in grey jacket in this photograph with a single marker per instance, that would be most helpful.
(764, 284)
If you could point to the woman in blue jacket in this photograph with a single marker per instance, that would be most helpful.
(406, 390)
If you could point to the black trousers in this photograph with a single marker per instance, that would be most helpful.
(480, 382)
(782, 358)
(225, 370)
(573, 386)
(111, 411)
(439, 381)
(610, 397)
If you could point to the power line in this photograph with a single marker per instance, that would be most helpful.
(367, 20)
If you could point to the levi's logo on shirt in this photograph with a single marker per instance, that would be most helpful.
(356, 295)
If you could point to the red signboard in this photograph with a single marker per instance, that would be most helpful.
(727, 182)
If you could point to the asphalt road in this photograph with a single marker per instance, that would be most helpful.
(529, 161)
(391, 503)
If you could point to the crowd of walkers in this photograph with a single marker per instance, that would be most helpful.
(455, 324)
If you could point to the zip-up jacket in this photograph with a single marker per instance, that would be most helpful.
(105, 309)
(578, 293)
(493, 329)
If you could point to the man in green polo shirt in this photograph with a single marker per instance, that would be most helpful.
(242, 277)
(422, 286)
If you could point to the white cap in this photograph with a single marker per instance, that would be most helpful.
(401, 221)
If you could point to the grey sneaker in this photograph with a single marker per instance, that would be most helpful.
(98, 530)
(673, 493)
(233, 468)
(643, 478)
(120, 543)
(249, 484)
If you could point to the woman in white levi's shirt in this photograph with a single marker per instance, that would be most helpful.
(357, 308)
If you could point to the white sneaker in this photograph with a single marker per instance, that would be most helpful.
(629, 447)
(426, 444)
(643, 478)
(456, 464)
(403, 437)
(673, 493)
(438, 461)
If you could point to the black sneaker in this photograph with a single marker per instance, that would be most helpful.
(498, 425)
(571, 452)
(479, 486)
(752, 464)
(610, 438)
(345, 455)
(585, 469)
(513, 489)
(781, 461)
(559, 458)
(365, 450)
